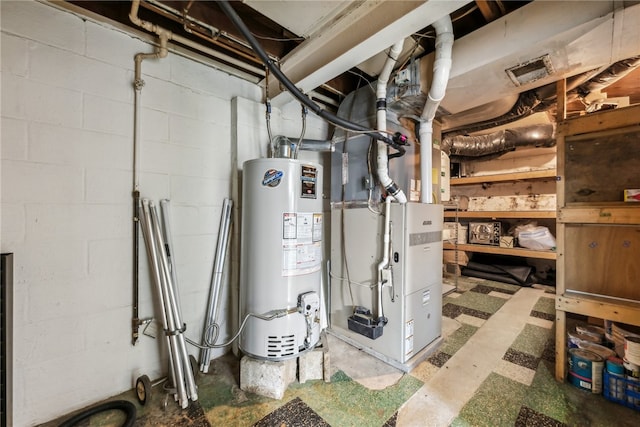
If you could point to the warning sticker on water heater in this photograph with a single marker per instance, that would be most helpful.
(301, 243)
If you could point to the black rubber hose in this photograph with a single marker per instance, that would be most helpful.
(288, 84)
(123, 405)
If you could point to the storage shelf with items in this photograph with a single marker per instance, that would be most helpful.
(503, 201)
(497, 250)
(493, 197)
(598, 233)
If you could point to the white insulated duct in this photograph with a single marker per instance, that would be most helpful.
(381, 118)
(441, 70)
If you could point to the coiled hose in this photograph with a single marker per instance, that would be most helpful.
(124, 405)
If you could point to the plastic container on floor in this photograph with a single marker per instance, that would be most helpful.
(625, 391)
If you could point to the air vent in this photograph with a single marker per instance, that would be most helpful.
(281, 346)
(530, 71)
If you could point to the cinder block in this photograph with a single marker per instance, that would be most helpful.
(267, 378)
(53, 105)
(14, 55)
(38, 21)
(105, 115)
(311, 366)
(41, 183)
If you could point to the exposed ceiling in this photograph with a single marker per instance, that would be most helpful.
(330, 48)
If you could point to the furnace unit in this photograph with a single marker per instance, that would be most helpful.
(411, 299)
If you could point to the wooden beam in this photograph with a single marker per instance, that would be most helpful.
(367, 28)
(489, 10)
(618, 213)
(501, 214)
(603, 308)
(601, 121)
(561, 91)
(496, 250)
(514, 176)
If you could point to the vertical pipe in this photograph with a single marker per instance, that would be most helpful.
(138, 83)
(393, 191)
(382, 277)
(441, 69)
(137, 94)
(381, 122)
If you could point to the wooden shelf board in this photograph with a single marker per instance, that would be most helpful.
(489, 249)
(515, 176)
(500, 214)
(600, 121)
(604, 213)
(600, 307)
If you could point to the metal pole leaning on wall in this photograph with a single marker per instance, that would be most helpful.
(211, 329)
(180, 367)
(165, 241)
(186, 383)
(153, 266)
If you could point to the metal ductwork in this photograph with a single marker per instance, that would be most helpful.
(544, 98)
(461, 147)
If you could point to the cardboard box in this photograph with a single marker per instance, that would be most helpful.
(449, 257)
(506, 242)
(449, 232)
(632, 195)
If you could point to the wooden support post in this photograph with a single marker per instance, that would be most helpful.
(561, 90)
(561, 345)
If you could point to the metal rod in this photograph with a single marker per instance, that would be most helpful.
(135, 320)
(173, 318)
(183, 356)
(153, 265)
(216, 280)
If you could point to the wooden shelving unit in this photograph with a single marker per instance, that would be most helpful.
(503, 177)
(501, 214)
(496, 250)
(598, 235)
(545, 174)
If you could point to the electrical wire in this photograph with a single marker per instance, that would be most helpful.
(368, 284)
(369, 168)
(267, 113)
(279, 39)
(302, 132)
(369, 83)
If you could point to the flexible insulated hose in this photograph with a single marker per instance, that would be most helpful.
(123, 405)
(304, 99)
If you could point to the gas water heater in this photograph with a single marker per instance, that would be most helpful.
(281, 257)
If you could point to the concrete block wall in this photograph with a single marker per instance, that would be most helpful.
(66, 181)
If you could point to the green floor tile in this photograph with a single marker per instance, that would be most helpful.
(345, 403)
(545, 305)
(532, 340)
(547, 396)
(496, 403)
(457, 339)
(478, 301)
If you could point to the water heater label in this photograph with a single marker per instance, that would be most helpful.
(301, 243)
(289, 226)
(309, 179)
(272, 178)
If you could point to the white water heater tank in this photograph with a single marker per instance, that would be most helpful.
(281, 257)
